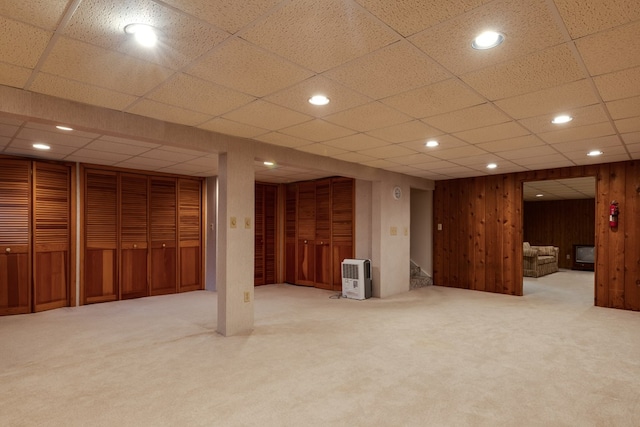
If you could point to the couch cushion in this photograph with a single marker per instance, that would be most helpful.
(546, 250)
(526, 245)
(545, 259)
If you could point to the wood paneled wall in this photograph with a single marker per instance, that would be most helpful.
(480, 244)
(561, 223)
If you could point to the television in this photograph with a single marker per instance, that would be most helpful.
(584, 257)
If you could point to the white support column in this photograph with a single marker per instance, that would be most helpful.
(235, 248)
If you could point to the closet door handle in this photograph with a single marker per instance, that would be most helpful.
(135, 246)
(305, 242)
(164, 245)
(8, 250)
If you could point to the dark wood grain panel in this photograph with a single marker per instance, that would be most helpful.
(190, 242)
(163, 235)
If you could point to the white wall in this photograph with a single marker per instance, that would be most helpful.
(422, 229)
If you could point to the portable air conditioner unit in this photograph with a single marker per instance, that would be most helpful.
(356, 278)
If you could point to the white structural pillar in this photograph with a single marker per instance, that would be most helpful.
(235, 248)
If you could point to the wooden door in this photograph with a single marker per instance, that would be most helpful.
(342, 225)
(52, 235)
(190, 231)
(14, 236)
(163, 234)
(134, 239)
(100, 273)
(306, 233)
(290, 230)
(259, 249)
(265, 234)
(323, 273)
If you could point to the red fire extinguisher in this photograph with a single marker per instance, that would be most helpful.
(613, 214)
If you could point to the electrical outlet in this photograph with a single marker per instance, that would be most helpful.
(394, 231)
(233, 223)
(247, 222)
(247, 296)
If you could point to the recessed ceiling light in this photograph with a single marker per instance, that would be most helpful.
(269, 163)
(67, 128)
(492, 166)
(595, 153)
(319, 100)
(40, 146)
(143, 33)
(561, 119)
(432, 143)
(539, 195)
(487, 40)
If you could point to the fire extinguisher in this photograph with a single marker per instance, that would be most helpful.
(613, 214)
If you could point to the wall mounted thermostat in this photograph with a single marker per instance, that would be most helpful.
(397, 192)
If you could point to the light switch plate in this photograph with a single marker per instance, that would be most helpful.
(233, 223)
(394, 231)
(247, 222)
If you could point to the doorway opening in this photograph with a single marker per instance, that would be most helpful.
(558, 233)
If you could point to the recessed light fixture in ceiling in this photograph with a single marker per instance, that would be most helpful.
(595, 153)
(558, 120)
(487, 40)
(40, 146)
(492, 166)
(268, 163)
(65, 128)
(539, 195)
(432, 143)
(143, 33)
(319, 100)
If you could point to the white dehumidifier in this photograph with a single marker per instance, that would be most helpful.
(356, 278)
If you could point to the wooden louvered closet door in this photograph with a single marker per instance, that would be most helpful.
(101, 236)
(323, 276)
(52, 235)
(342, 225)
(163, 233)
(134, 244)
(190, 230)
(265, 234)
(14, 236)
(306, 234)
(291, 209)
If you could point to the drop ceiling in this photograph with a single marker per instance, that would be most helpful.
(397, 73)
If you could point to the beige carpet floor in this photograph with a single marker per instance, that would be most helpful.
(430, 357)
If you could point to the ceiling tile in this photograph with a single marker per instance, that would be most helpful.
(406, 132)
(631, 138)
(388, 152)
(613, 50)
(581, 117)
(632, 124)
(181, 38)
(583, 17)
(228, 127)
(380, 163)
(170, 156)
(41, 13)
(523, 153)
(619, 85)
(26, 147)
(267, 116)
(474, 117)
(527, 24)
(510, 144)
(317, 130)
(145, 163)
(491, 133)
(49, 127)
(108, 69)
(227, 15)
(531, 73)
(320, 35)
(195, 94)
(8, 130)
(544, 162)
(434, 99)
(559, 99)
(277, 138)
(30, 152)
(297, 97)
(624, 108)
(80, 92)
(12, 75)
(407, 170)
(128, 141)
(411, 16)
(414, 159)
(354, 157)
(115, 147)
(95, 156)
(321, 149)
(168, 113)
(458, 152)
(388, 71)
(53, 138)
(243, 67)
(373, 115)
(32, 42)
(357, 142)
(4, 140)
(582, 132)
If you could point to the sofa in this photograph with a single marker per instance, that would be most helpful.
(539, 260)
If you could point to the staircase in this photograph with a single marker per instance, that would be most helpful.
(418, 278)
